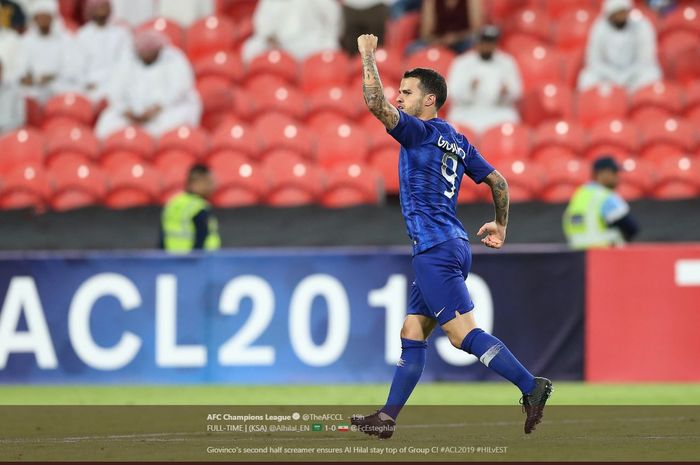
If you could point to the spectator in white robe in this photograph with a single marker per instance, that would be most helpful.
(102, 45)
(134, 12)
(299, 27)
(12, 109)
(621, 49)
(9, 48)
(484, 85)
(47, 60)
(154, 88)
(185, 12)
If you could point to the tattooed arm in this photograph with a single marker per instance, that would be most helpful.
(496, 230)
(372, 85)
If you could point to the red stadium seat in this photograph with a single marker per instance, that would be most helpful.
(664, 96)
(239, 184)
(293, 180)
(343, 144)
(389, 63)
(226, 160)
(226, 65)
(77, 187)
(525, 179)
(173, 159)
(553, 154)
(216, 94)
(25, 187)
(677, 178)
(34, 112)
(346, 101)
(675, 43)
(70, 105)
(562, 178)
(692, 99)
(115, 159)
(377, 137)
(540, 65)
(386, 162)
(133, 186)
(601, 103)
(559, 9)
(173, 181)
(549, 102)
(325, 120)
(67, 158)
(562, 134)
(616, 137)
(237, 10)
(572, 64)
(519, 42)
(663, 139)
(210, 34)
(284, 99)
(325, 69)
(132, 139)
(686, 66)
(532, 21)
(277, 131)
(499, 10)
(683, 18)
(172, 30)
(401, 31)
(277, 63)
(351, 185)
(437, 58)
(236, 136)
(506, 142)
(22, 146)
(186, 138)
(76, 138)
(571, 30)
(636, 178)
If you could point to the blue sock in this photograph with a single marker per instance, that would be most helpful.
(495, 355)
(406, 376)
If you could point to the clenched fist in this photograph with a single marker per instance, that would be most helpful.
(367, 43)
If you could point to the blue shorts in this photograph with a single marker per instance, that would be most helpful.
(439, 289)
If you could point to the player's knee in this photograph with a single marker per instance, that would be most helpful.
(412, 332)
(455, 340)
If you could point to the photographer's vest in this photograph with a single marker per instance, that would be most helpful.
(584, 225)
(178, 225)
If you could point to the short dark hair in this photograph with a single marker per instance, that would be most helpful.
(431, 82)
(196, 170)
(605, 163)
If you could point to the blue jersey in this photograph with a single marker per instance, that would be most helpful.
(433, 159)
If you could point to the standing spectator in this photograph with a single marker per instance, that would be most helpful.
(12, 15)
(102, 45)
(134, 12)
(153, 88)
(48, 64)
(187, 222)
(12, 110)
(621, 49)
(299, 27)
(9, 48)
(449, 23)
(485, 84)
(596, 215)
(363, 17)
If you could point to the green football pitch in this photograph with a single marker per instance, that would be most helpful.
(442, 422)
(566, 393)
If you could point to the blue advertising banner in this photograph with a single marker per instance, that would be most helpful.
(265, 317)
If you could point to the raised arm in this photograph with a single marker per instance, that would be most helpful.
(372, 85)
(496, 230)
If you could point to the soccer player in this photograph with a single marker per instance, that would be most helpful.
(433, 159)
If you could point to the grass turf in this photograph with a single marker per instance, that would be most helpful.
(566, 393)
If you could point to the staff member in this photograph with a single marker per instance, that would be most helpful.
(187, 222)
(596, 215)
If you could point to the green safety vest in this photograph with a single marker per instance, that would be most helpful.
(178, 225)
(584, 225)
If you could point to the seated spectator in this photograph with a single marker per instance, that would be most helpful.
(102, 45)
(9, 46)
(185, 12)
(484, 85)
(299, 27)
(12, 15)
(363, 17)
(47, 61)
(621, 49)
(153, 88)
(448, 23)
(12, 110)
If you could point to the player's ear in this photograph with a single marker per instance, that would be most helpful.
(429, 100)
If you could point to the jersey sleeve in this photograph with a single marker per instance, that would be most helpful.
(614, 209)
(410, 131)
(477, 168)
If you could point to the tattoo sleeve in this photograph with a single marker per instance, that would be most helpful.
(501, 198)
(374, 93)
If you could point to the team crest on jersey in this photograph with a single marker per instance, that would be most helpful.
(451, 147)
